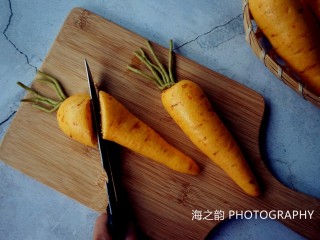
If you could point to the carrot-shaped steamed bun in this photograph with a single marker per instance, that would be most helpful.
(191, 110)
(74, 118)
(121, 126)
(294, 33)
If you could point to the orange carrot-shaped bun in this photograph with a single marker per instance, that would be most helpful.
(294, 33)
(121, 126)
(74, 118)
(191, 110)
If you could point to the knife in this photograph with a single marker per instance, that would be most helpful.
(117, 223)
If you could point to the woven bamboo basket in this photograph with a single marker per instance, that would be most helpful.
(264, 51)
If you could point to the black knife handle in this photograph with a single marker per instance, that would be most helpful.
(117, 223)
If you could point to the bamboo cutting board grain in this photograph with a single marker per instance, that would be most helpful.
(162, 200)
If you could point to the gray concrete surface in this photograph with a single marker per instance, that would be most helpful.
(209, 32)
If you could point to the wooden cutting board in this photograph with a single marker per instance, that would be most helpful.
(163, 201)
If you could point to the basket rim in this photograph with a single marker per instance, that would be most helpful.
(279, 71)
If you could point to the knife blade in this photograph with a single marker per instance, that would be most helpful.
(115, 209)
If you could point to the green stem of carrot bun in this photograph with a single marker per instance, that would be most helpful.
(54, 82)
(160, 75)
(41, 102)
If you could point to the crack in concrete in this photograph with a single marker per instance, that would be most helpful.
(210, 31)
(8, 118)
(291, 176)
(10, 41)
(227, 40)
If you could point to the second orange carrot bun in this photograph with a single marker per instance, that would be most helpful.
(191, 110)
(121, 126)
